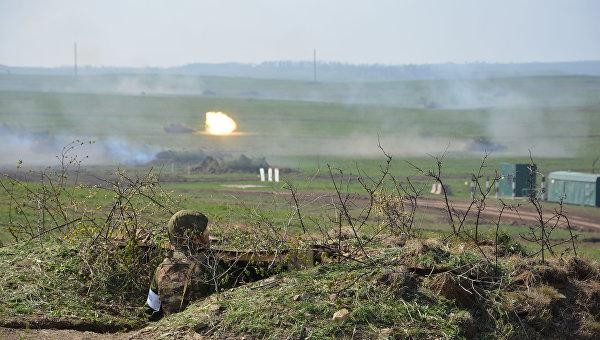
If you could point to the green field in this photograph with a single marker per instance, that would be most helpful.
(451, 93)
(553, 116)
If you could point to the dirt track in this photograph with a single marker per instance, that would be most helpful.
(524, 215)
(587, 219)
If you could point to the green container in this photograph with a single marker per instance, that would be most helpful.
(574, 188)
(517, 180)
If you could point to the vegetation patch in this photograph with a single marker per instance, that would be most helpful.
(48, 286)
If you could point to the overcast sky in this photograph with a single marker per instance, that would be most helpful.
(167, 33)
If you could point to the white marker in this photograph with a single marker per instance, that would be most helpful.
(270, 175)
(262, 174)
(276, 174)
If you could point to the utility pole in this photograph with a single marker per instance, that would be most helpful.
(75, 58)
(315, 64)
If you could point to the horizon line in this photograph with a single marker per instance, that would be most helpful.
(304, 61)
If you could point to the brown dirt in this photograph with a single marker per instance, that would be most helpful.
(54, 334)
(453, 288)
(525, 215)
(60, 328)
(69, 334)
(42, 322)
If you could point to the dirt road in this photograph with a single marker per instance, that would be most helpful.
(582, 219)
(525, 215)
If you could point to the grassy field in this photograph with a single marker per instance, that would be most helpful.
(505, 91)
(552, 116)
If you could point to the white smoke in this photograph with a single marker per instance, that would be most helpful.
(121, 151)
(45, 149)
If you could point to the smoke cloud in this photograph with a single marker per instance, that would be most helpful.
(39, 149)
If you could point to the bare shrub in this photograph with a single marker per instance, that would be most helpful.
(541, 233)
(115, 223)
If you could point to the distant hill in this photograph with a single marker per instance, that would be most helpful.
(335, 71)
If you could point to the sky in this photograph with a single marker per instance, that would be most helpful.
(170, 33)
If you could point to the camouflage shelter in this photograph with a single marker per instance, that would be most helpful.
(574, 188)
